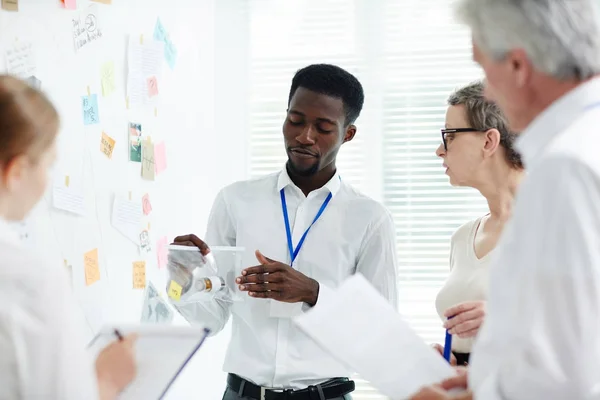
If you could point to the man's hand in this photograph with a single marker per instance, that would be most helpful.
(440, 391)
(193, 241)
(278, 281)
(467, 318)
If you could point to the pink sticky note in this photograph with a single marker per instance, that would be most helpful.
(161, 252)
(70, 4)
(160, 157)
(152, 86)
(146, 204)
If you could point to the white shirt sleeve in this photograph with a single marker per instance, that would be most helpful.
(377, 261)
(551, 333)
(214, 312)
(41, 334)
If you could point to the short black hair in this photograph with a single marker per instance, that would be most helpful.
(333, 81)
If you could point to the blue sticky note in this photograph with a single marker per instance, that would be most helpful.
(161, 35)
(90, 109)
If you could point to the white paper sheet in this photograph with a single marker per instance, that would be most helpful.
(161, 352)
(362, 330)
(86, 27)
(145, 61)
(127, 218)
(20, 60)
(68, 198)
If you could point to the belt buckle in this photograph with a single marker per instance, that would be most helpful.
(263, 393)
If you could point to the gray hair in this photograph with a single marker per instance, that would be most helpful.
(561, 37)
(484, 115)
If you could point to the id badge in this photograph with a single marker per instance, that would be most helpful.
(280, 309)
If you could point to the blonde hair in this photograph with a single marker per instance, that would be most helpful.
(28, 121)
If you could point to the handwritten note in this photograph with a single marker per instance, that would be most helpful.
(174, 291)
(146, 204)
(152, 86)
(68, 197)
(86, 27)
(107, 145)
(89, 106)
(148, 167)
(139, 274)
(161, 35)
(127, 218)
(144, 60)
(160, 157)
(161, 252)
(145, 245)
(92, 270)
(107, 75)
(20, 60)
(70, 4)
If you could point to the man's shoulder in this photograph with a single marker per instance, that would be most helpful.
(362, 203)
(250, 186)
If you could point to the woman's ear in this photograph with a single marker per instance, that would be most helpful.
(13, 173)
(492, 141)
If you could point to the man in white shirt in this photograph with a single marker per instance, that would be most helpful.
(310, 231)
(541, 338)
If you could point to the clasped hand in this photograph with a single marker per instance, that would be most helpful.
(276, 280)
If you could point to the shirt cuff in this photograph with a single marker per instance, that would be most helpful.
(324, 296)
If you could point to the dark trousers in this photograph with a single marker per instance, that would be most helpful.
(231, 395)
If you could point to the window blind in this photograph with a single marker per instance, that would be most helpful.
(423, 55)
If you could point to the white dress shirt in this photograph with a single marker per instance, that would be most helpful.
(354, 234)
(541, 337)
(41, 345)
(468, 279)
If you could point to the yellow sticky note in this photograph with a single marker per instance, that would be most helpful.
(10, 5)
(107, 145)
(139, 274)
(92, 270)
(107, 75)
(174, 291)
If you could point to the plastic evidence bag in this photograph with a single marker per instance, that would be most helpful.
(193, 277)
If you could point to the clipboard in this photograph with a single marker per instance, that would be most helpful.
(161, 352)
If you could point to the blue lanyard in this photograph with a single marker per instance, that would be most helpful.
(288, 231)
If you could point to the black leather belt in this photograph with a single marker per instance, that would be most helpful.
(330, 389)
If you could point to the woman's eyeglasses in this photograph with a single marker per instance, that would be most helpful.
(452, 131)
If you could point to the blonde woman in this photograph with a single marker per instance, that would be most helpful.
(43, 354)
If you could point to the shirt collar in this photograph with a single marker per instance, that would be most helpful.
(555, 119)
(8, 233)
(333, 185)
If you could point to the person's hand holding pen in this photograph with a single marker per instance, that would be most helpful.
(115, 366)
(465, 319)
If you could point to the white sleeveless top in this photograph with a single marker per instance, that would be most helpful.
(468, 279)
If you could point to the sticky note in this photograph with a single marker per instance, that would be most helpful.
(103, 1)
(148, 172)
(152, 86)
(92, 270)
(107, 75)
(174, 290)
(10, 5)
(160, 35)
(139, 274)
(107, 145)
(90, 110)
(160, 157)
(70, 4)
(161, 252)
(147, 207)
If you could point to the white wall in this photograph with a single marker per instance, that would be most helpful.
(202, 118)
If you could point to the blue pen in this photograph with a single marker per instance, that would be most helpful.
(448, 345)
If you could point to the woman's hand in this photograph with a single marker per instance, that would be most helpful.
(440, 349)
(466, 319)
(115, 367)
